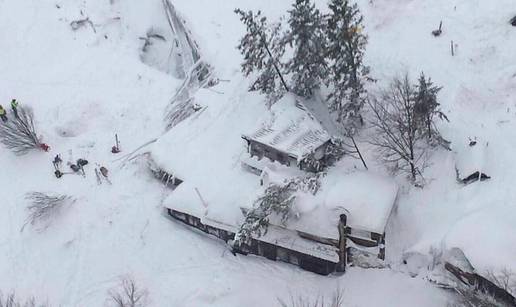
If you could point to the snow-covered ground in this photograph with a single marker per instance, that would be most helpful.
(85, 86)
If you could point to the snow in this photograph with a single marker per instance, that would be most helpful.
(472, 158)
(271, 171)
(293, 130)
(218, 178)
(286, 238)
(204, 151)
(486, 237)
(85, 87)
(366, 198)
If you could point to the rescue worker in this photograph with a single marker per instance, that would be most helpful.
(57, 161)
(104, 171)
(3, 114)
(14, 107)
(44, 147)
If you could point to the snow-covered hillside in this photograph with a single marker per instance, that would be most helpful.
(86, 85)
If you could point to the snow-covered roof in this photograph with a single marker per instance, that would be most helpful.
(292, 129)
(272, 171)
(205, 150)
(366, 198)
(216, 186)
(183, 200)
(471, 157)
(487, 237)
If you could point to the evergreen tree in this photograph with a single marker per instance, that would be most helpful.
(262, 49)
(346, 47)
(307, 37)
(427, 107)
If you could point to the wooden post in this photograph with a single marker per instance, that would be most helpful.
(452, 51)
(381, 245)
(341, 266)
(116, 142)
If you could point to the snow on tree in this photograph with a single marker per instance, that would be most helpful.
(19, 133)
(301, 300)
(427, 109)
(262, 49)
(308, 39)
(128, 294)
(277, 199)
(347, 72)
(12, 300)
(43, 207)
(397, 128)
(196, 71)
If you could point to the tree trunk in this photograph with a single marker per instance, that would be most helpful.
(275, 66)
(413, 171)
(428, 126)
(359, 153)
(341, 266)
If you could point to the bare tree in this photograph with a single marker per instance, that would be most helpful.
(19, 133)
(336, 300)
(468, 297)
(505, 279)
(397, 128)
(43, 207)
(127, 294)
(11, 300)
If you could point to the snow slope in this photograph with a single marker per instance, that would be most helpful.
(478, 97)
(479, 83)
(86, 86)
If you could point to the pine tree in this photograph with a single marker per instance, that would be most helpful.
(346, 48)
(262, 48)
(427, 107)
(307, 37)
(19, 133)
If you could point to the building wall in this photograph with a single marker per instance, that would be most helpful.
(316, 163)
(260, 150)
(260, 248)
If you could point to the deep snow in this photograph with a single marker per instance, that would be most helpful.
(86, 86)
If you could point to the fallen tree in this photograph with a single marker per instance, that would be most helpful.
(19, 133)
(43, 207)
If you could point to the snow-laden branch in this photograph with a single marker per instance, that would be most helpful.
(19, 133)
(43, 207)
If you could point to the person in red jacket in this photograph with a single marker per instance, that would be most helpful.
(44, 147)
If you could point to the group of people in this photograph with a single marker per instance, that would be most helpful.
(79, 166)
(14, 108)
